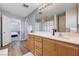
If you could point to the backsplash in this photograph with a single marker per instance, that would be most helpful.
(70, 34)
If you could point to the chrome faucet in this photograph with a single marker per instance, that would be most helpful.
(54, 30)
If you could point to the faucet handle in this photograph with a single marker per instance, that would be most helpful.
(54, 30)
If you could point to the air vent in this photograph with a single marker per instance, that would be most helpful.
(24, 5)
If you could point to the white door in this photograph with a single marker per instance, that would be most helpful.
(6, 30)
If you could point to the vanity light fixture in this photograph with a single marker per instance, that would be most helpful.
(45, 5)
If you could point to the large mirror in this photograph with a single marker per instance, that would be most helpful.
(60, 16)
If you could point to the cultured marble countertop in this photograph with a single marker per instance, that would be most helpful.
(68, 39)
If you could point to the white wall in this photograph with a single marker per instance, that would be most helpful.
(71, 19)
(30, 21)
(22, 29)
(15, 25)
(0, 29)
(26, 28)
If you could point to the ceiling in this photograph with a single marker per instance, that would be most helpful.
(17, 9)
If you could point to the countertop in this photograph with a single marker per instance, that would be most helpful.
(69, 39)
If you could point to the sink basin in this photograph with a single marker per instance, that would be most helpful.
(59, 35)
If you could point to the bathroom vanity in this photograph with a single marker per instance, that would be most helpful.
(41, 44)
(45, 44)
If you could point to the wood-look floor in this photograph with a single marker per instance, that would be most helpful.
(16, 48)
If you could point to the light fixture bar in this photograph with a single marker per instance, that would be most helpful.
(45, 5)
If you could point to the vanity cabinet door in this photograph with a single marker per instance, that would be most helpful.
(66, 49)
(49, 48)
(38, 46)
(30, 43)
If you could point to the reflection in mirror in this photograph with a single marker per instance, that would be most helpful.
(71, 19)
(63, 18)
(61, 22)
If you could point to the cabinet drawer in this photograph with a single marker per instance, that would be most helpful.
(38, 49)
(37, 38)
(37, 53)
(38, 44)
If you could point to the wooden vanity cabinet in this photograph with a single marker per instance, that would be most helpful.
(30, 43)
(65, 49)
(56, 48)
(38, 46)
(49, 48)
(41, 46)
(34, 44)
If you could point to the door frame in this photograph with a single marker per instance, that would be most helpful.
(1, 32)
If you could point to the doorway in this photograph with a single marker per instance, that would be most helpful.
(11, 29)
(15, 30)
(61, 22)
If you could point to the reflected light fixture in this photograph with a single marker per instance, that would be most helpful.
(45, 5)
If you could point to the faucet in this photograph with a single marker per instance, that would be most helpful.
(54, 30)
